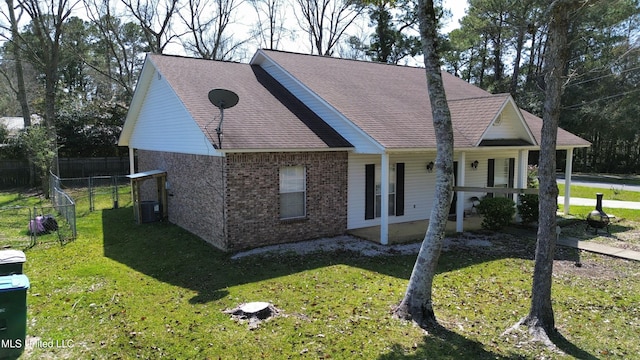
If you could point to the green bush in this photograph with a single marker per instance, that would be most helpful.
(528, 208)
(497, 212)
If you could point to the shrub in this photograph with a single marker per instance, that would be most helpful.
(528, 208)
(497, 212)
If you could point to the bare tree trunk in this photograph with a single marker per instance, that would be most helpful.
(540, 319)
(21, 93)
(17, 57)
(417, 304)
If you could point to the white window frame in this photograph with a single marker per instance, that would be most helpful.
(293, 180)
(501, 174)
(392, 191)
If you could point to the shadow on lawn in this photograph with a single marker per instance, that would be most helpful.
(173, 255)
(443, 341)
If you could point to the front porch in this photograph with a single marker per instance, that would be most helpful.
(412, 231)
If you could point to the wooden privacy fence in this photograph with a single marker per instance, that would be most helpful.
(15, 173)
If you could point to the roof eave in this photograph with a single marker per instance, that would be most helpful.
(509, 100)
(142, 86)
(288, 150)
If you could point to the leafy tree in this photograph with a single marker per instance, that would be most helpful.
(601, 98)
(116, 52)
(37, 142)
(390, 42)
(43, 51)
(417, 303)
(91, 130)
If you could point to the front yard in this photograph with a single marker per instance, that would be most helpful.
(122, 290)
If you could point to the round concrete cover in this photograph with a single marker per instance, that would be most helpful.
(254, 307)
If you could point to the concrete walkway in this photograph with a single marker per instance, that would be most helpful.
(595, 247)
(612, 204)
(599, 248)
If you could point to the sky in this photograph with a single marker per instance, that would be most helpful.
(458, 9)
(246, 18)
(361, 29)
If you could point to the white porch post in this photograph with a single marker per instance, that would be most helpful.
(567, 181)
(132, 161)
(384, 199)
(523, 169)
(462, 166)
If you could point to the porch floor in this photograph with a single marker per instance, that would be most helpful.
(413, 231)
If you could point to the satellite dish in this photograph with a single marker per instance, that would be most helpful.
(222, 99)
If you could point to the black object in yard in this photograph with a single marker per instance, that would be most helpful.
(43, 224)
(598, 219)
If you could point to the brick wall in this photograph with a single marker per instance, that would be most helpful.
(195, 191)
(253, 198)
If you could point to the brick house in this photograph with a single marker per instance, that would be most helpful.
(316, 146)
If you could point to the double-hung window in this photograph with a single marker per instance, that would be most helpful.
(392, 191)
(293, 192)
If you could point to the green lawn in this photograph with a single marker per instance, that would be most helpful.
(122, 290)
(615, 192)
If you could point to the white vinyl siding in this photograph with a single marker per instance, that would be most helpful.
(293, 192)
(417, 200)
(508, 125)
(419, 183)
(165, 125)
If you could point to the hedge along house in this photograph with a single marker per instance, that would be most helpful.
(317, 146)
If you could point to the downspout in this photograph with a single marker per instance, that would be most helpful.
(132, 161)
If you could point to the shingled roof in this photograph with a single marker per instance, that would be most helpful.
(391, 104)
(388, 104)
(267, 116)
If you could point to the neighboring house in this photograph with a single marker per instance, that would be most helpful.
(316, 146)
(14, 124)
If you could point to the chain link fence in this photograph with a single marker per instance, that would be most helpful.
(70, 198)
(22, 227)
(96, 192)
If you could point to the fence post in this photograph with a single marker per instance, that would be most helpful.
(114, 184)
(91, 207)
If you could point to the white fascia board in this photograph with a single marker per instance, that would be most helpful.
(532, 138)
(292, 150)
(142, 86)
(363, 142)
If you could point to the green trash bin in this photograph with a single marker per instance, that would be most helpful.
(11, 262)
(13, 315)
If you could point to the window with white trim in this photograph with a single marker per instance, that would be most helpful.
(501, 175)
(293, 192)
(392, 191)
